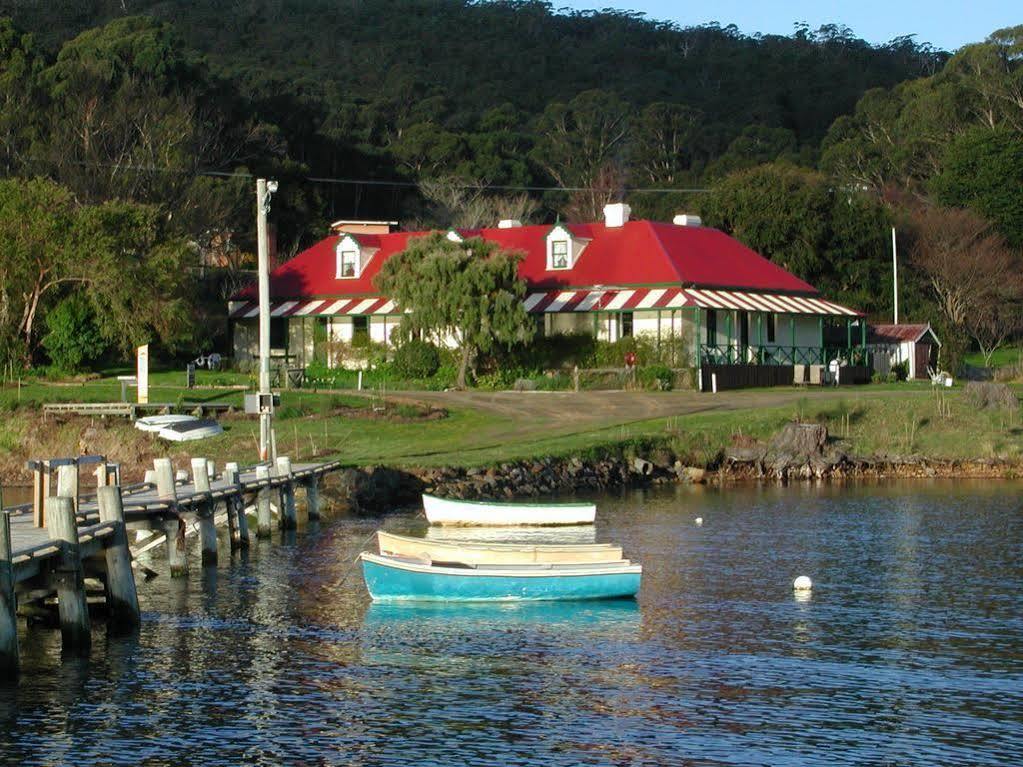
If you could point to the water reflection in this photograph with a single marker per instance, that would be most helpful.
(909, 650)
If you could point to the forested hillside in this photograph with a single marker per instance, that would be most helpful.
(149, 117)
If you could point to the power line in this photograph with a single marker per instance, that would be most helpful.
(385, 183)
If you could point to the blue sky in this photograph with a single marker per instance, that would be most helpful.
(945, 25)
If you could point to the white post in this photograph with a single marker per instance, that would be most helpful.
(359, 386)
(895, 276)
(263, 267)
(714, 383)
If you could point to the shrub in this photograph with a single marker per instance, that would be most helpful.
(657, 377)
(416, 359)
(986, 395)
(73, 341)
(901, 370)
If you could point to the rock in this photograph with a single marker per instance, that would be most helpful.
(800, 439)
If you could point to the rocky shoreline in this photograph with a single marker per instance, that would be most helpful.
(800, 452)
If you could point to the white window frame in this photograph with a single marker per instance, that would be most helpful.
(567, 244)
(342, 253)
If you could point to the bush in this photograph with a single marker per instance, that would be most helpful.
(900, 370)
(657, 377)
(986, 395)
(416, 359)
(73, 341)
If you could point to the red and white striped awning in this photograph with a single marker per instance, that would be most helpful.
(561, 301)
(327, 307)
(779, 303)
(606, 300)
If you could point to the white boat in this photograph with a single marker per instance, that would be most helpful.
(201, 428)
(154, 423)
(561, 535)
(494, 553)
(442, 511)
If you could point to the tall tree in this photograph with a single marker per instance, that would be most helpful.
(469, 292)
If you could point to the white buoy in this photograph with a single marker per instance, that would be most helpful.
(698, 521)
(802, 583)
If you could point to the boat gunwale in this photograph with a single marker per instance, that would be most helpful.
(513, 504)
(498, 546)
(541, 571)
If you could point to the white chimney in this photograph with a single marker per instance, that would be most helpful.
(685, 219)
(509, 223)
(616, 214)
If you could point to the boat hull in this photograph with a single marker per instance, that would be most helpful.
(495, 553)
(391, 581)
(442, 511)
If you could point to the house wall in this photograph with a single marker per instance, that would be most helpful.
(381, 328)
(245, 342)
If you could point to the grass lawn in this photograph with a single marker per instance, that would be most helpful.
(889, 419)
(1009, 355)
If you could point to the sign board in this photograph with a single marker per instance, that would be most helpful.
(142, 374)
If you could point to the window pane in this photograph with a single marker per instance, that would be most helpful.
(349, 259)
(559, 254)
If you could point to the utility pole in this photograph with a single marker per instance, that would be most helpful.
(263, 192)
(895, 276)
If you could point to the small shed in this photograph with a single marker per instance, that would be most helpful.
(914, 343)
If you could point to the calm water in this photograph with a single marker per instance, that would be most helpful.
(909, 652)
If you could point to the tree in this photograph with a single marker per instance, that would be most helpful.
(983, 171)
(975, 277)
(467, 291)
(833, 238)
(73, 340)
(117, 254)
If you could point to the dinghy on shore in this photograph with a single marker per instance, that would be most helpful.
(443, 511)
(390, 578)
(154, 423)
(200, 428)
(466, 552)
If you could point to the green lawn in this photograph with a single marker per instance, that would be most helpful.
(892, 419)
(1009, 355)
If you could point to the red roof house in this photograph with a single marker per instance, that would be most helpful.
(613, 278)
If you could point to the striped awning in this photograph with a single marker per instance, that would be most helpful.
(328, 307)
(780, 303)
(606, 300)
(562, 301)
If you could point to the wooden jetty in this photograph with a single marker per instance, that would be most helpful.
(63, 539)
(133, 410)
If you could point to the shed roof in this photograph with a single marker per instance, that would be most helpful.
(894, 334)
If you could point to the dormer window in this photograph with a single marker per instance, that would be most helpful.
(348, 264)
(564, 247)
(560, 254)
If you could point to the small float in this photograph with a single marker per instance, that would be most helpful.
(444, 511)
(392, 578)
(467, 552)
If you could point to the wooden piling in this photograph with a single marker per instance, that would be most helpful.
(288, 517)
(122, 597)
(67, 483)
(165, 485)
(75, 629)
(263, 503)
(312, 497)
(9, 659)
(174, 530)
(236, 508)
(205, 510)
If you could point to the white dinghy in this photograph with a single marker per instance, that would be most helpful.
(442, 511)
(471, 553)
(201, 428)
(154, 423)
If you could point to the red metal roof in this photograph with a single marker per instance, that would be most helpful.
(640, 253)
(893, 334)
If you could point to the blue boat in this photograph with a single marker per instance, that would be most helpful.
(390, 578)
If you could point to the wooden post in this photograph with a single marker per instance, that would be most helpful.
(75, 629)
(122, 598)
(9, 659)
(207, 526)
(165, 485)
(312, 497)
(102, 474)
(288, 518)
(236, 509)
(174, 530)
(263, 503)
(67, 483)
(40, 492)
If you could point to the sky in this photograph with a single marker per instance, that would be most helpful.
(946, 25)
